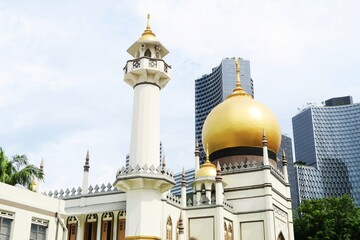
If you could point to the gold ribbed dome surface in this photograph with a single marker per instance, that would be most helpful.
(239, 121)
(206, 170)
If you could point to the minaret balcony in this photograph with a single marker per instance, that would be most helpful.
(153, 65)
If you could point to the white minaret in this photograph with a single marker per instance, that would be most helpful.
(147, 74)
(145, 180)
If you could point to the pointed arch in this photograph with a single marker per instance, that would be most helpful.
(72, 226)
(147, 53)
(121, 223)
(90, 227)
(280, 236)
(213, 196)
(107, 220)
(203, 189)
(169, 229)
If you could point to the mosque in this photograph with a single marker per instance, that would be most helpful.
(238, 193)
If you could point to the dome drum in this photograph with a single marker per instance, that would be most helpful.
(243, 159)
(241, 152)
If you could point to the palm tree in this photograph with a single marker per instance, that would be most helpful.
(18, 170)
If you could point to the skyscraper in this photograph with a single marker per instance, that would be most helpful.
(327, 151)
(286, 146)
(213, 88)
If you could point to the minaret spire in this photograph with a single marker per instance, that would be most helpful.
(265, 149)
(148, 28)
(148, 21)
(197, 155)
(85, 182)
(284, 163)
(238, 89)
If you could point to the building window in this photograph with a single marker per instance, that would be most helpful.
(169, 229)
(72, 224)
(107, 226)
(90, 227)
(280, 237)
(147, 53)
(5, 225)
(38, 229)
(121, 225)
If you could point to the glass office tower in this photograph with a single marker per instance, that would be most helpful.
(211, 89)
(327, 150)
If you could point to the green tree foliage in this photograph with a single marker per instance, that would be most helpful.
(18, 170)
(328, 219)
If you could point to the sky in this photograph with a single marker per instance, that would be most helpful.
(61, 79)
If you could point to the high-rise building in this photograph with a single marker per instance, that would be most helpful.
(286, 146)
(327, 150)
(213, 88)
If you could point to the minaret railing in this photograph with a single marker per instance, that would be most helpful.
(146, 63)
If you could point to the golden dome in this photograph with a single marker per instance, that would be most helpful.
(239, 121)
(206, 170)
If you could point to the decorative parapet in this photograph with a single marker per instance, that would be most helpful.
(137, 177)
(243, 166)
(277, 172)
(173, 199)
(78, 192)
(145, 171)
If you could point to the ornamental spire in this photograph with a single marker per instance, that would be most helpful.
(284, 161)
(87, 165)
(264, 140)
(238, 91)
(148, 28)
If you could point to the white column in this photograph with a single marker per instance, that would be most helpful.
(208, 192)
(144, 212)
(85, 183)
(183, 189)
(197, 156)
(145, 133)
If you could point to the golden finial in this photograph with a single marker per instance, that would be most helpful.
(148, 21)
(238, 89)
(148, 29)
(238, 84)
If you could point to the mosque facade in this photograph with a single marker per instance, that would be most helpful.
(238, 192)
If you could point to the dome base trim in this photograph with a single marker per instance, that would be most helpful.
(236, 151)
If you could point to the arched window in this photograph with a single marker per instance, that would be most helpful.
(169, 229)
(147, 53)
(72, 224)
(225, 231)
(281, 236)
(107, 225)
(213, 196)
(90, 227)
(121, 225)
(203, 190)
